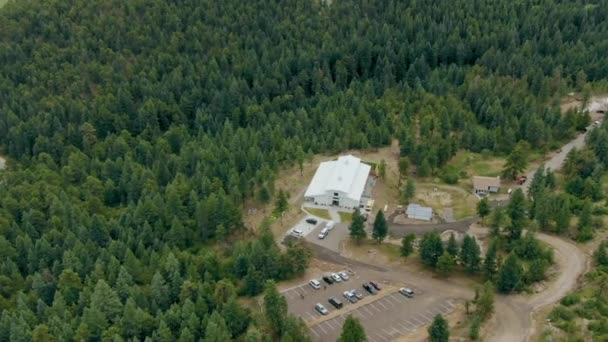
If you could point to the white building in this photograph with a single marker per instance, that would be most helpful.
(339, 183)
(417, 212)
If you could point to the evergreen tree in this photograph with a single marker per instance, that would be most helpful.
(380, 227)
(445, 264)
(439, 330)
(510, 276)
(431, 248)
(409, 192)
(352, 331)
(382, 169)
(407, 244)
(281, 205)
(470, 254)
(357, 227)
(216, 330)
(485, 302)
(517, 213)
(537, 183)
(483, 208)
(489, 263)
(404, 165)
(496, 221)
(585, 231)
(516, 161)
(275, 308)
(452, 247)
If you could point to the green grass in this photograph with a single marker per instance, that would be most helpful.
(345, 217)
(322, 213)
(476, 164)
(3, 2)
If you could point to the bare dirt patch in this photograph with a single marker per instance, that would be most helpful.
(440, 196)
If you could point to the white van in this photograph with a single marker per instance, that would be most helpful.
(330, 225)
(323, 233)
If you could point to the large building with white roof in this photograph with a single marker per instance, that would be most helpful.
(340, 183)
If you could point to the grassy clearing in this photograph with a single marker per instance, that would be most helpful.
(476, 164)
(463, 203)
(345, 217)
(3, 2)
(322, 213)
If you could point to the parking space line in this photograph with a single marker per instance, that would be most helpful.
(410, 324)
(375, 308)
(330, 325)
(387, 300)
(382, 337)
(417, 320)
(315, 332)
(310, 316)
(369, 312)
(380, 302)
(320, 327)
(425, 316)
(430, 311)
(402, 326)
(398, 297)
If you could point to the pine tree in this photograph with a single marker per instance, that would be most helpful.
(485, 302)
(409, 192)
(380, 227)
(357, 227)
(431, 248)
(352, 331)
(407, 244)
(281, 205)
(489, 263)
(452, 247)
(510, 276)
(105, 299)
(439, 330)
(470, 254)
(275, 308)
(382, 169)
(517, 213)
(516, 161)
(483, 208)
(216, 330)
(445, 264)
(404, 165)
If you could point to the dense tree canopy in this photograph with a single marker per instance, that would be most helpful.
(137, 129)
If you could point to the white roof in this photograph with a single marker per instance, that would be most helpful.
(347, 175)
(419, 211)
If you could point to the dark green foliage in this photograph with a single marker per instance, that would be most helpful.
(516, 161)
(352, 331)
(470, 254)
(439, 330)
(517, 214)
(357, 227)
(490, 263)
(510, 277)
(380, 229)
(452, 247)
(485, 302)
(407, 244)
(431, 248)
(408, 193)
(445, 264)
(275, 309)
(474, 330)
(483, 208)
(601, 254)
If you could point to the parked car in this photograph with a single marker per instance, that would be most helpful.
(297, 233)
(328, 279)
(315, 284)
(406, 292)
(335, 302)
(344, 275)
(357, 294)
(350, 297)
(311, 220)
(376, 285)
(369, 288)
(336, 277)
(321, 309)
(323, 233)
(330, 225)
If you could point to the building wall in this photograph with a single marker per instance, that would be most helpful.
(343, 201)
(494, 189)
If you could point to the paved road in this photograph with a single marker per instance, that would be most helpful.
(2, 163)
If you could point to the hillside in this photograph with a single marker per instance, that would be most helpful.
(139, 128)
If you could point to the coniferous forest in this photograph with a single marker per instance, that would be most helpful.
(135, 130)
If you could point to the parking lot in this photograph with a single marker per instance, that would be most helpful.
(333, 239)
(385, 316)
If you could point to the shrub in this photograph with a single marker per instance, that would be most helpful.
(561, 313)
(571, 299)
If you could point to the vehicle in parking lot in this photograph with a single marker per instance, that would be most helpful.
(344, 275)
(330, 225)
(321, 309)
(328, 279)
(315, 284)
(336, 277)
(357, 294)
(297, 233)
(335, 302)
(376, 285)
(311, 220)
(369, 288)
(406, 292)
(323, 233)
(350, 297)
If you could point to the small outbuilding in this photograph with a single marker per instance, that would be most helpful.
(486, 185)
(417, 212)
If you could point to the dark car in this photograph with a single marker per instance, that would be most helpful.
(328, 279)
(311, 221)
(335, 302)
(369, 288)
(376, 285)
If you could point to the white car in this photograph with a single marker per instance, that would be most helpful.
(350, 296)
(330, 225)
(315, 284)
(297, 233)
(406, 292)
(344, 275)
(322, 310)
(323, 233)
(336, 277)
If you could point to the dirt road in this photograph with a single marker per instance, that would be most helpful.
(514, 314)
(2, 163)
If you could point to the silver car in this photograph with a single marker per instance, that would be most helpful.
(336, 277)
(344, 275)
(321, 309)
